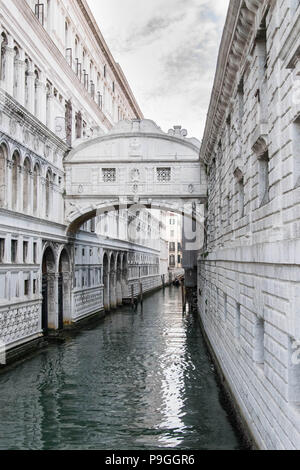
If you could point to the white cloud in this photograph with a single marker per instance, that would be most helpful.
(168, 51)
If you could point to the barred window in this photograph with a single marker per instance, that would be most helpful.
(164, 175)
(109, 175)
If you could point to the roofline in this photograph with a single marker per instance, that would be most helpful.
(83, 5)
(235, 39)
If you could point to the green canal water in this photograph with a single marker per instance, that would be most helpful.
(135, 381)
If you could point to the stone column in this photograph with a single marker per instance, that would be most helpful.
(106, 292)
(42, 198)
(113, 297)
(20, 71)
(8, 82)
(53, 301)
(20, 188)
(119, 288)
(30, 193)
(51, 104)
(9, 184)
(31, 89)
(41, 99)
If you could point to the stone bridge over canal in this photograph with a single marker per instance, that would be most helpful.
(136, 163)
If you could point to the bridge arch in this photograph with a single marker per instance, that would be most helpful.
(135, 163)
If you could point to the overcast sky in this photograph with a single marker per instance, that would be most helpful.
(167, 50)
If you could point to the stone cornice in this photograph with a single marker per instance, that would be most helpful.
(13, 109)
(238, 29)
(111, 62)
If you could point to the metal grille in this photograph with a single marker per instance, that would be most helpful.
(164, 175)
(109, 175)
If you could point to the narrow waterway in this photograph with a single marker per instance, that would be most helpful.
(138, 380)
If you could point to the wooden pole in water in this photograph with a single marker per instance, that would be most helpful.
(132, 296)
(141, 293)
(183, 297)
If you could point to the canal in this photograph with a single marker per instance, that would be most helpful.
(135, 381)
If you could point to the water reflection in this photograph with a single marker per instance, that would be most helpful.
(139, 380)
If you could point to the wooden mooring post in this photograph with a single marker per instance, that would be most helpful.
(183, 294)
(141, 293)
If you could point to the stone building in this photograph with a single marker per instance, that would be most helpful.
(59, 86)
(248, 273)
(174, 236)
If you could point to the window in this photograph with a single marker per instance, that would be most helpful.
(241, 191)
(25, 252)
(259, 341)
(100, 100)
(93, 90)
(225, 306)
(34, 286)
(241, 102)
(172, 261)
(163, 175)
(264, 185)
(14, 251)
(69, 58)
(172, 221)
(238, 321)
(40, 12)
(104, 71)
(179, 259)
(26, 287)
(35, 253)
(2, 249)
(109, 175)
(172, 246)
(78, 125)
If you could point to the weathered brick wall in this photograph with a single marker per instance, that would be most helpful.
(249, 272)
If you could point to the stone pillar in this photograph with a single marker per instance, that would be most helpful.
(53, 301)
(119, 288)
(30, 193)
(20, 188)
(8, 82)
(41, 99)
(42, 198)
(106, 292)
(20, 71)
(112, 288)
(9, 185)
(67, 288)
(51, 104)
(31, 90)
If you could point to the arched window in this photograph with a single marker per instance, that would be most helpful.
(4, 43)
(15, 180)
(36, 176)
(15, 79)
(48, 193)
(26, 185)
(3, 160)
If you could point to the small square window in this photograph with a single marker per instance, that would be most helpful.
(109, 175)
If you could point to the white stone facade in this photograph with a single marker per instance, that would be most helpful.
(249, 271)
(47, 104)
